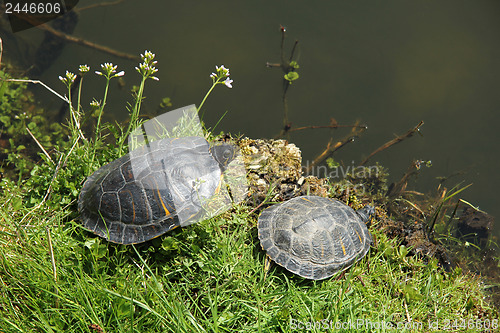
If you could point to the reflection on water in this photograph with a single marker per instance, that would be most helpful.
(388, 64)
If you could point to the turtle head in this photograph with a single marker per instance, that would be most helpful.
(366, 213)
(223, 154)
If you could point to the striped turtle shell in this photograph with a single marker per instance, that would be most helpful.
(315, 237)
(153, 189)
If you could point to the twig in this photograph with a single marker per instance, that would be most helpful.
(398, 188)
(282, 53)
(293, 50)
(83, 42)
(333, 147)
(40, 145)
(103, 4)
(76, 40)
(394, 141)
(64, 98)
(414, 206)
(286, 66)
(325, 126)
(408, 318)
(49, 190)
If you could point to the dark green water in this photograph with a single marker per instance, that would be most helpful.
(389, 64)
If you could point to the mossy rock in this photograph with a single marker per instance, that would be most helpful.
(275, 171)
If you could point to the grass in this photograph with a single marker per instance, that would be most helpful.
(209, 277)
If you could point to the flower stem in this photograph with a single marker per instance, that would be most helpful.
(134, 116)
(98, 129)
(206, 96)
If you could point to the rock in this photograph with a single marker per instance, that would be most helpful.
(275, 171)
(474, 225)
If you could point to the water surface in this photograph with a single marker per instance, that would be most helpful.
(388, 64)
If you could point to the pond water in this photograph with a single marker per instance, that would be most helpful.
(387, 64)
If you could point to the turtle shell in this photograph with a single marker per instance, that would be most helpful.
(314, 237)
(153, 189)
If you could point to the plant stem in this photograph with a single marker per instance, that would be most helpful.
(134, 116)
(98, 128)
(206, 96)
(72, 121)
(76, 115)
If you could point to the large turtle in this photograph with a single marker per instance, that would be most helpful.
(153, 189)
(315, 237)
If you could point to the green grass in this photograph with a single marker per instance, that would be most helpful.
(208, 277)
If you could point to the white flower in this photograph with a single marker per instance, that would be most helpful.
(84, 69)
(95, 104)
(223, 71)
(146, 68)
(109, 71)
(148, 56)
(228, 82)
(68, 79)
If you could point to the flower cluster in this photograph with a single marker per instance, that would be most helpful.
(222, 74)
(146, 68)
(68, 79)
(95, 104)
(84, 69)
(109, 71)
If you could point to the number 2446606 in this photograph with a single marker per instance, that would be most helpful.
(33, 8)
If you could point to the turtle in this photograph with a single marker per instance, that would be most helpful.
(314, 237)
(153, 189)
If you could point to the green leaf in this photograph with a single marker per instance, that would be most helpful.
(292, 76)
(17, 203)
(96, 248)
(170, 244)
(124, 308)
(332, 164)
(411, 294)
(403, 251)
(5, 120)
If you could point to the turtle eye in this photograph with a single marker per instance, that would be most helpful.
(227, 154)
(224, 154)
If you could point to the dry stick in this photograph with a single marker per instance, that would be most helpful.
(103, 4)
(42, 84)
(40, 145)
(80, 41)
(49, 190)
(408, 318)
(64, 98)
(331, 148)
(324, 126)
(394, 141)
(83, 42)
(400, 186)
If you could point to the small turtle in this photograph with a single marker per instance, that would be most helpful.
(153, 189)
(315, 237)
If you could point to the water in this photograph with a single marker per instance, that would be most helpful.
(389, 64)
